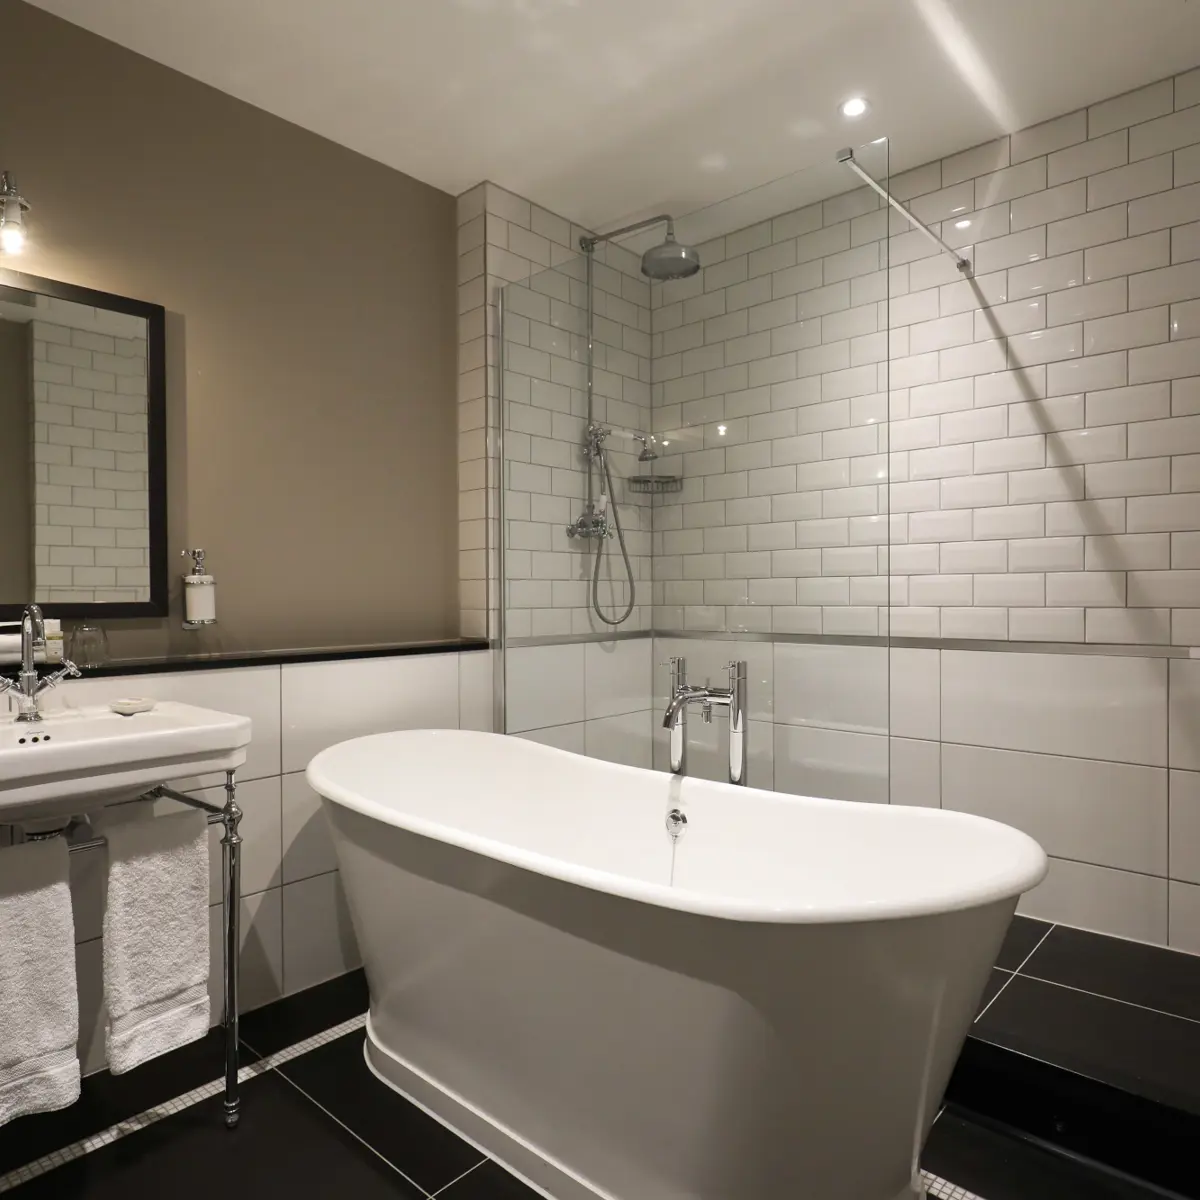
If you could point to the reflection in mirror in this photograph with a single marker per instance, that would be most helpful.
(75, 498)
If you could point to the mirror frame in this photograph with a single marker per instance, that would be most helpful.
(156, 446)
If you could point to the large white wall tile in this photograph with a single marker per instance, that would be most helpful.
(318, 939)
(1105, 813)
(617, 677)
(1184, 733)
(330, 702)
(916, 688)
(625, 738)
(1086, 706)
(545, 686)
(915, 773)
(307, 844)
(1185, 826)
(831, 763)
(1119, 903)
(476, 698)
(1184, 917)
(837, 687)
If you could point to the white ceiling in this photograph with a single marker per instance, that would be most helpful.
(604, 110)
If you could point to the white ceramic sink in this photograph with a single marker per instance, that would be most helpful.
(76, 760)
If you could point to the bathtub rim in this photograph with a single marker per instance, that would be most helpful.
(1027, 866)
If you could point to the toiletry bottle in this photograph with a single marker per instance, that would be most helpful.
(199, 593)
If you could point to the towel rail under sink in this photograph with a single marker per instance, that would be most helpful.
(229, 815)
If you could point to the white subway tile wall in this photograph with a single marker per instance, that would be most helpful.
(1032, 449)
(295, 928)
(91, 499)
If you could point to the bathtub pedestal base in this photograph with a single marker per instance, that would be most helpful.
(478, 1128)
(491, 1137)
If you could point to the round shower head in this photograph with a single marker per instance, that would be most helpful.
(670, 260)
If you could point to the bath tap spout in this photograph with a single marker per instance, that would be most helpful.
(683, 696)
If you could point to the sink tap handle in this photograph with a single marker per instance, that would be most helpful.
(67, 671)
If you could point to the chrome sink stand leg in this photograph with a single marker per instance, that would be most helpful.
(231, 898)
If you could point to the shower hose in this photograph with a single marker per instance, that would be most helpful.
(624, 554)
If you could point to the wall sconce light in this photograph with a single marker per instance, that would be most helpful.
(13, 207)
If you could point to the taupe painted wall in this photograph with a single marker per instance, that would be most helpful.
(16, 483)
(311, 336)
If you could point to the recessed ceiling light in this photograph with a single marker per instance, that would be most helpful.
(855, 107)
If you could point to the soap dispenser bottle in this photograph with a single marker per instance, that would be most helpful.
(199, 593)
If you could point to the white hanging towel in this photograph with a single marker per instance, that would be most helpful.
(39, 1004)
(155, 934)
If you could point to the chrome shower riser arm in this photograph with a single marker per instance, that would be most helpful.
(588, 242)
(847, 156)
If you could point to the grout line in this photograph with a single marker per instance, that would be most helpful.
(1162, 1012)
(292, 1083)
(979, 1016)
(468, 1171)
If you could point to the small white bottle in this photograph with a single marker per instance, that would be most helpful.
(199, 593)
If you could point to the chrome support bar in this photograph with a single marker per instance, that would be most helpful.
(228, 815)
(231, 898)
(847, 157)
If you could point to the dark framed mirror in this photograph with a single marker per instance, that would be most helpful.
(83, 472)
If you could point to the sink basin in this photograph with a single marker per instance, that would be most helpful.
(77, 760)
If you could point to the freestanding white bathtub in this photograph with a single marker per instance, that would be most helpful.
(768, 1008)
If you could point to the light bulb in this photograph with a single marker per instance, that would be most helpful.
(12, 237)
(854, 107)
(12, 226)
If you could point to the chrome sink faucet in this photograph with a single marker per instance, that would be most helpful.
(28, 687)
(684, 694)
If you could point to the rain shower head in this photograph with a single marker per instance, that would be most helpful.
(670, 259)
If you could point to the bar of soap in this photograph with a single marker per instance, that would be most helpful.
(127, 706)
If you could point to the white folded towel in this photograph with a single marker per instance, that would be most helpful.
(39, 1004)
(155, 934)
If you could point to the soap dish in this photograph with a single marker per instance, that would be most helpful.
(128, 706)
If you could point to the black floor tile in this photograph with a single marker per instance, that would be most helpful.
(995, 984)
(337, 1078)
(106, 1099)
(489, 1182)
(1131, 971)
(1148, 1053)
(1023, 935)
(290, 1020)
(285, 1146)
(1080, 1116)
(999, 1166)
